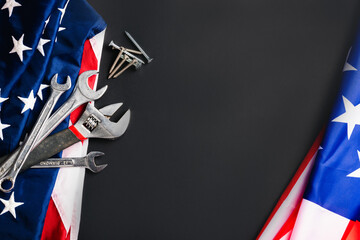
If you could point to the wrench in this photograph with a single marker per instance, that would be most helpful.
(61, 140)
(11, 167)
(87, 161)
(82, 93)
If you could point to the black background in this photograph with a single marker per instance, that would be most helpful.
(221, 119)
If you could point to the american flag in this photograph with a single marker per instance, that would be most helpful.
(322, 201)
(39, 39)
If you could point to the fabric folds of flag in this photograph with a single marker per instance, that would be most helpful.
(323, 199)
(39, 39)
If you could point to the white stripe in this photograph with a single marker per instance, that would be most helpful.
(290, 203)
(97, 43)
(67, 193)
(68, 189)
(286, 236)
(315, 222)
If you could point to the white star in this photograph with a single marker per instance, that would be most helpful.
(348, 66)
(29, 102)
(46, 23)
(59, 30)
(2, 99)
(351, 116)
(2, 127)
(10, 205)
(41, 44)
(62, 10)
(10, 4)
(42, 87)
(355, 173)
(19, 47)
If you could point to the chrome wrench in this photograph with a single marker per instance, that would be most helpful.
(93, 123)
(61, 140)
(11, 167)
(87, 161)
(82, 93)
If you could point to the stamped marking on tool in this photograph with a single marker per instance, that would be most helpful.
(91, 122)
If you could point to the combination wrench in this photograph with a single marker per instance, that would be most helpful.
(87, 161)
(10, 169)
(81, 94)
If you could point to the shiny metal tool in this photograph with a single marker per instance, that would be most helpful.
(93, 123)
(12, 166)
(131, 56)
(138, 47)
(82, 93)
(87, 161)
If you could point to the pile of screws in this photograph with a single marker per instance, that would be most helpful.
(126, 55)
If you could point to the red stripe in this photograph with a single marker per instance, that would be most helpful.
(352, 231)
(89, 62)
(53, 226)
(288, 225)
(293, 181)
(77, 133)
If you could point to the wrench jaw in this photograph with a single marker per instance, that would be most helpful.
(84, 86)
(90, 163)
(93, 124)
(109, 110)
(60, 87)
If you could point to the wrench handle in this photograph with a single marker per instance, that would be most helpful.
(48, 148)
(55, 163)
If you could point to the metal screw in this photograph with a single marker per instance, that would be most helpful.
(138, 46)
(133, 51)
(126, 67)
(117, 59)
(114, 46)
(118, 66)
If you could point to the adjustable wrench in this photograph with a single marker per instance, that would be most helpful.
(61, 140)
(82, 93)
(11, 167)
(93, 123)
(87, 161)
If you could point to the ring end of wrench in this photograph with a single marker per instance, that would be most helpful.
(3, 186)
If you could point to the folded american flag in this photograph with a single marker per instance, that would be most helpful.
(39, 39)
(322, 201)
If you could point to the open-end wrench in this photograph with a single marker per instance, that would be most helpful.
(81, 94)
(61, 140)
(87, 161)
(11, 167)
